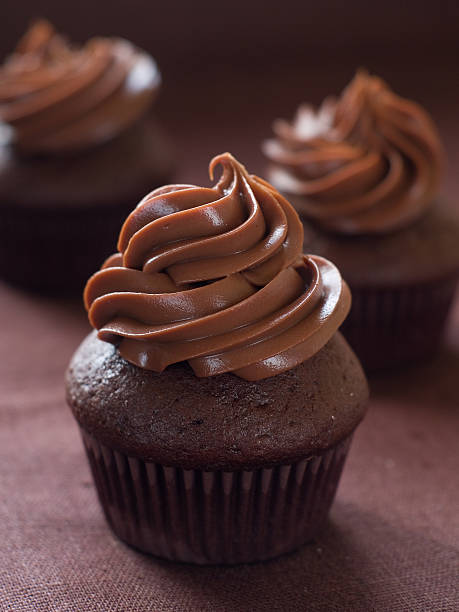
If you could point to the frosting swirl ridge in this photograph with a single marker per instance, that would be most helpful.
(216, 277)
(59, 98)
(368, 162)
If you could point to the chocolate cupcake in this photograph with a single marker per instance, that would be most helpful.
(364, 172)
(76, 155)
(217, 400)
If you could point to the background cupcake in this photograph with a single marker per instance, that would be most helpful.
(364, 172)
(217, 400)
(77, 153)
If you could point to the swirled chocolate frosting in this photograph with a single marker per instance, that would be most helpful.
(369, 162)
(59, 98)
(216, 277)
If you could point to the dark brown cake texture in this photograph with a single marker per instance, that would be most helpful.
(219, 422)
(403, 285)
(364, 171)
(73, 205)
(216, 409)
(219, 469)
(70, 172)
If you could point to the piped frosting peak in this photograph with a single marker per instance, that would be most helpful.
(216, 277)
(57, 97)
(367, 162)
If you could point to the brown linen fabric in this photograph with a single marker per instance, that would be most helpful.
(392, 541)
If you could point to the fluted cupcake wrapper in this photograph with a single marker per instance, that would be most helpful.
(398, 326)
(210, 517)
(25, 232)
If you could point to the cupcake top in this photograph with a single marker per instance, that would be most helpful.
(61, 98)
(368, 162)
(216, 277)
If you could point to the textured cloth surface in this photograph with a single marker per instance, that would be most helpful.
(392, 541)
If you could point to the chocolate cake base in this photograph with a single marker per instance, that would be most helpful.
(58, 216)
(402, 286)
(218, 469)
(389, 328)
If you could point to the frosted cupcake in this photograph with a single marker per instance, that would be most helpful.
(217, 399)
(364, 171)
(77, 153)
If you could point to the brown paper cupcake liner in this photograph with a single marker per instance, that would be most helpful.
(214, 517)
(392, 327)
(48, 233)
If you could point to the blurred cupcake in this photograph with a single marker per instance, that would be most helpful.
(77, 153)
(364, 172)
(217, 400)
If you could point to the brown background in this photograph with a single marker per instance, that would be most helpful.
(230, 68)
(179, 31)
(392, 542)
